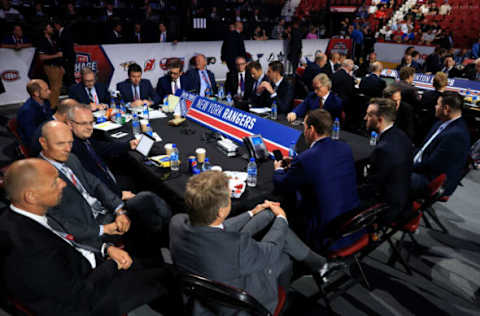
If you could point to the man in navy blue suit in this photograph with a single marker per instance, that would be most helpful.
(372, 85)
(445, 148)
(313, 69)
(34, 111)
(136, 90)
(322, 97)
(172, 81)
(279, 88)
(325, 177)
(200, 78)
(258, 99)
(89, 91)
(390, 162)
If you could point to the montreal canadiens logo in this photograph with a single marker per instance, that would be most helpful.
(10, 75)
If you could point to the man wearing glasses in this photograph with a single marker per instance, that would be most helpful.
(239, 83)
(89, 91)
(173, 80)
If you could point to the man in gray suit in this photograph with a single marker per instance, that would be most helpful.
(204, 243)
(88, 209)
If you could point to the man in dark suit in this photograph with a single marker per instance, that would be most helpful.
(65, 38)
(407, 61)
(233, 47)
(314, 69)
(136, 90)
(89, 91)
(295, 45)
(450, 68)
(365, 67)
(239, 83)
(324, 175)
(115, 36)
(433, 63)
(280, 90)
(258, 99)
(390, 162)
(61, 275)
(372, 85)
(34, 111)
(343, 84)
(321, 98)
(445, 148)
(200, 78)
(333, 64)
(173, 80)
(89, 209)
(205, 243)
(405, 116)
(472, 71)
(409, 91)
(137, 35)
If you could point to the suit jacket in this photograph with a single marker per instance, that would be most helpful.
(310, 72)
(113, 39)
(262, 100)
(164, 85)
(233, 46)
(231, 84)
(295, 44)
(409, 93)
(194, 80)
(230, 256)
(325, 177)
(344, 85)
(405, 119)
(146, 91)
(29, 117)
(55, 278)
(78, 92)
(447, 153)
(433, 63)
(65, 42)
(285, 94)
(372, 86)
(333, 104)
(391, 168)
(469, 72)
(73, 211)
(452, 73)
(102, 149)
(414, 65)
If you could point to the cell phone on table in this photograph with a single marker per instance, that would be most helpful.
(278, 155)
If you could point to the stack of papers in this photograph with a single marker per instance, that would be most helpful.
(155, 114)
(106, 126)
(260, 110)
(236, 182)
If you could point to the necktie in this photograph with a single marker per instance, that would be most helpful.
(205, 79)
(135, 96)
(242, 83)
(90, 95)
(418, 156)
(320, 102)
(101, 165)
(60, 230)
(255, 86)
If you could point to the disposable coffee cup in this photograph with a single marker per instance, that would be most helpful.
(168, 149)
(216, 168)
(143, 125)
(201, 152)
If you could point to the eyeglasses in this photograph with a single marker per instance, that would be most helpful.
(241, 64)
(84, 123)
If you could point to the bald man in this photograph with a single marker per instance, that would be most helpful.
(34, 111)
(200, 78)
(372, 85)
(62, 276)
(89, 209)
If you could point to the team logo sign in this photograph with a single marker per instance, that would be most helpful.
(10, 75)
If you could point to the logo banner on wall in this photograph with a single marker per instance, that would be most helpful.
(14, 68)
(237, 124)
(340, 45)
(93, 57)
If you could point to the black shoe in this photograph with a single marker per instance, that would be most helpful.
(331, 268)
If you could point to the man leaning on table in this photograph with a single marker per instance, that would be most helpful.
(137, 90)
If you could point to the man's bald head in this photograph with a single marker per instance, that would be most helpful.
(56, 141)
(62, 109)
(33, 185)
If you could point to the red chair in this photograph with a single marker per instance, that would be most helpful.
(213, 293)
(297, 102)
(12, 127)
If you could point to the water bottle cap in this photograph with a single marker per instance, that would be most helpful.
(148, 124)
(174, 145)
(336, 119)
(134, 115)
(252, 159)
(374, 133)
(206, 159)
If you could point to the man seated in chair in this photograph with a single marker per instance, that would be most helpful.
(173, 80)
(89, 209)
(321, 98)
(205, 242)
(136, 90)
(445, 149)
(89, 91)
(48, 271)
(324, 177)
(390, 162)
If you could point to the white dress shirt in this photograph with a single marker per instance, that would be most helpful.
(239, 87)
(175, 84)
(42, 220)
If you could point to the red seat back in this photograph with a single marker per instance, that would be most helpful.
(436, 184)
(12, 127)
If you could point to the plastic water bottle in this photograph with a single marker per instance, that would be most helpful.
(174, 163)
(229, 100)
(373, 138)
(336, 129)
(146, 112)
(136, 125)
(206, 165)
(221, 92)
(274, 110)
(149, 130)
(291, 150)
(252, 173)
(122, 106)
(118, 115)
